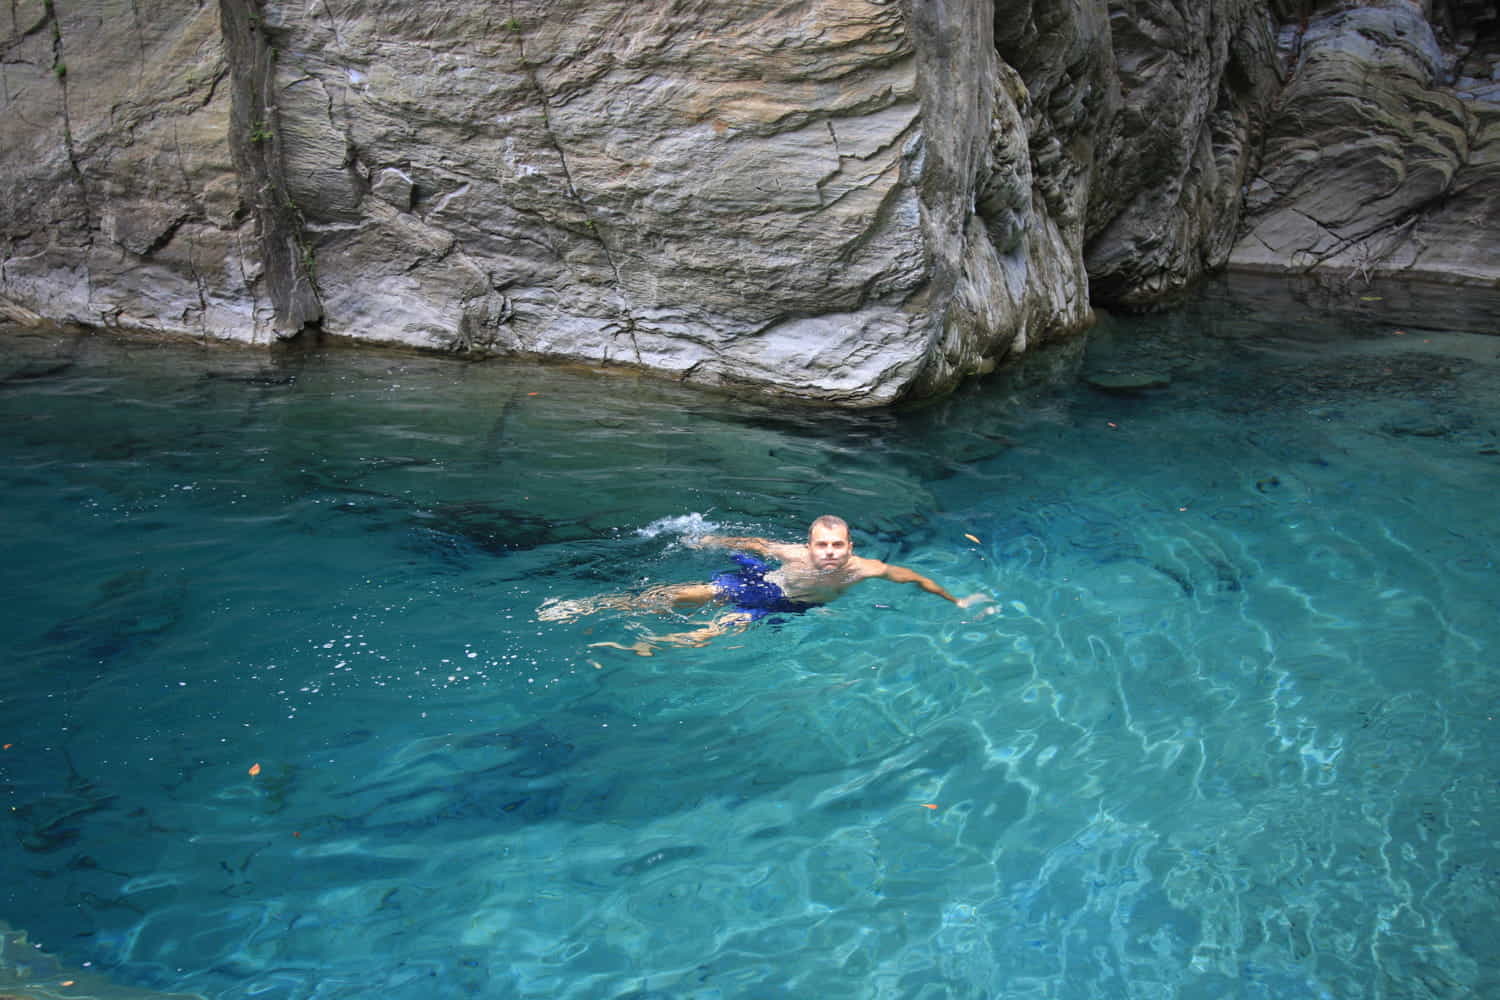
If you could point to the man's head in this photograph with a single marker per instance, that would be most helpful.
(829, 543)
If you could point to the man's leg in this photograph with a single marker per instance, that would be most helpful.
(734, 621)
(674, 597)
(666, 598)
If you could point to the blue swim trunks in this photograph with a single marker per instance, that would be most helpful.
(749, 590)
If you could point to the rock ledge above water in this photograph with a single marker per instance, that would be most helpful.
(854, 202)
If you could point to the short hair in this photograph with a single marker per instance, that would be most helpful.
(829, 521)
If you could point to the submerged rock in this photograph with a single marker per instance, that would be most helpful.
(1127, 382)
(30, 972)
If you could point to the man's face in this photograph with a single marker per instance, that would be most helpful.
(830, 547)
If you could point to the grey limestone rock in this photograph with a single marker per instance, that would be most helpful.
(1380, 160)
(845, 201)
(1196, 82)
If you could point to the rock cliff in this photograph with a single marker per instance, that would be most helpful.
(1382, 156)
(852, 201)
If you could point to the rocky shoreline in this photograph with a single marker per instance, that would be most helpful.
(851, 201)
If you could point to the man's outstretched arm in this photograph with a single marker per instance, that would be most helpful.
(760, 546)
(900, 574)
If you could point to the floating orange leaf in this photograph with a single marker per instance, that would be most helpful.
(254, 770)
(929, 805)
(971, 538)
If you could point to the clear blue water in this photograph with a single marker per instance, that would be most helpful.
(1233, 732)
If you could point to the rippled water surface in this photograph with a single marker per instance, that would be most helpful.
(279, 720)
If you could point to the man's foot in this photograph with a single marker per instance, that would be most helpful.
(642, 648)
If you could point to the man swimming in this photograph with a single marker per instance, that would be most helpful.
(810, 574)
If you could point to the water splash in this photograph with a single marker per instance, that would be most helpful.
(690, 526)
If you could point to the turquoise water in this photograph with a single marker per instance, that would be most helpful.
(1232, 732)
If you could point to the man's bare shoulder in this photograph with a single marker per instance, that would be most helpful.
(788, 551)
(867, 569)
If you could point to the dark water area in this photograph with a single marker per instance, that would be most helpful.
(1232, 731)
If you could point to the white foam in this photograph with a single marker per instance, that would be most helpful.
(692, 525)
